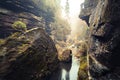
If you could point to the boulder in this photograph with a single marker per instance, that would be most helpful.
(28, 56)
(66, 56)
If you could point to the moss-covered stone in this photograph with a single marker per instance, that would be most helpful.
(27, 56)
(83, 70)
(19, 25)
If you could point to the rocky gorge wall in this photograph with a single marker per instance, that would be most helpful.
(103, 17)
(32, 12)
(30, 55)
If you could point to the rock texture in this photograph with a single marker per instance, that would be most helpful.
(29, 12)
(7, 18)
(104, 41)
(87, 8)
(66, 56)
(29, 56)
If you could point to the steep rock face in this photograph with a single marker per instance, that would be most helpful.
(29, 12)
(87, 8)
(105, 41)
(7, 18)
(29, 56)
(21, 6)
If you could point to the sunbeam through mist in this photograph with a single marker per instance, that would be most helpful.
(70, 12)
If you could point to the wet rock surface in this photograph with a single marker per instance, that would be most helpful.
(104, 40)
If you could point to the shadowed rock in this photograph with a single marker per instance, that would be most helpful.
(28, 56)
(104, 40)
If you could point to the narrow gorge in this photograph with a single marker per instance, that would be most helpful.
(59, 40)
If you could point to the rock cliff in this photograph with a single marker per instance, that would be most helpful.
(31, 55)
(7, 18)
(28, 12)
(27, 56)
(104, 39)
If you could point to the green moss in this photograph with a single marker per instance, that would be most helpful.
(83, 69)
(19, 25)
(2, 41)
(14, 35)
(14, 43)
(22, 48)
(83, 62)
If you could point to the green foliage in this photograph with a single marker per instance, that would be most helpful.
(19, 25)
(83, 69)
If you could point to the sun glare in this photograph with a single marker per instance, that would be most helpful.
(74, 7)
(76, 24)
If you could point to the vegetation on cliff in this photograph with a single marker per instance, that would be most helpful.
(28, 55)
(20, 26)
(83, 69)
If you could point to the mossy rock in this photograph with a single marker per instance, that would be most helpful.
(16, 43)
(82, 74)
(19, 25)
(28, 57)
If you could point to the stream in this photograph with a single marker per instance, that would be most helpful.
(71, 72)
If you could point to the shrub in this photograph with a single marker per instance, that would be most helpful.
(19, 25)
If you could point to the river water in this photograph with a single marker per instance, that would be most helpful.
(72, 73)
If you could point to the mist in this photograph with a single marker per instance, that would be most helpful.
(66, 27)
(70, 12)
